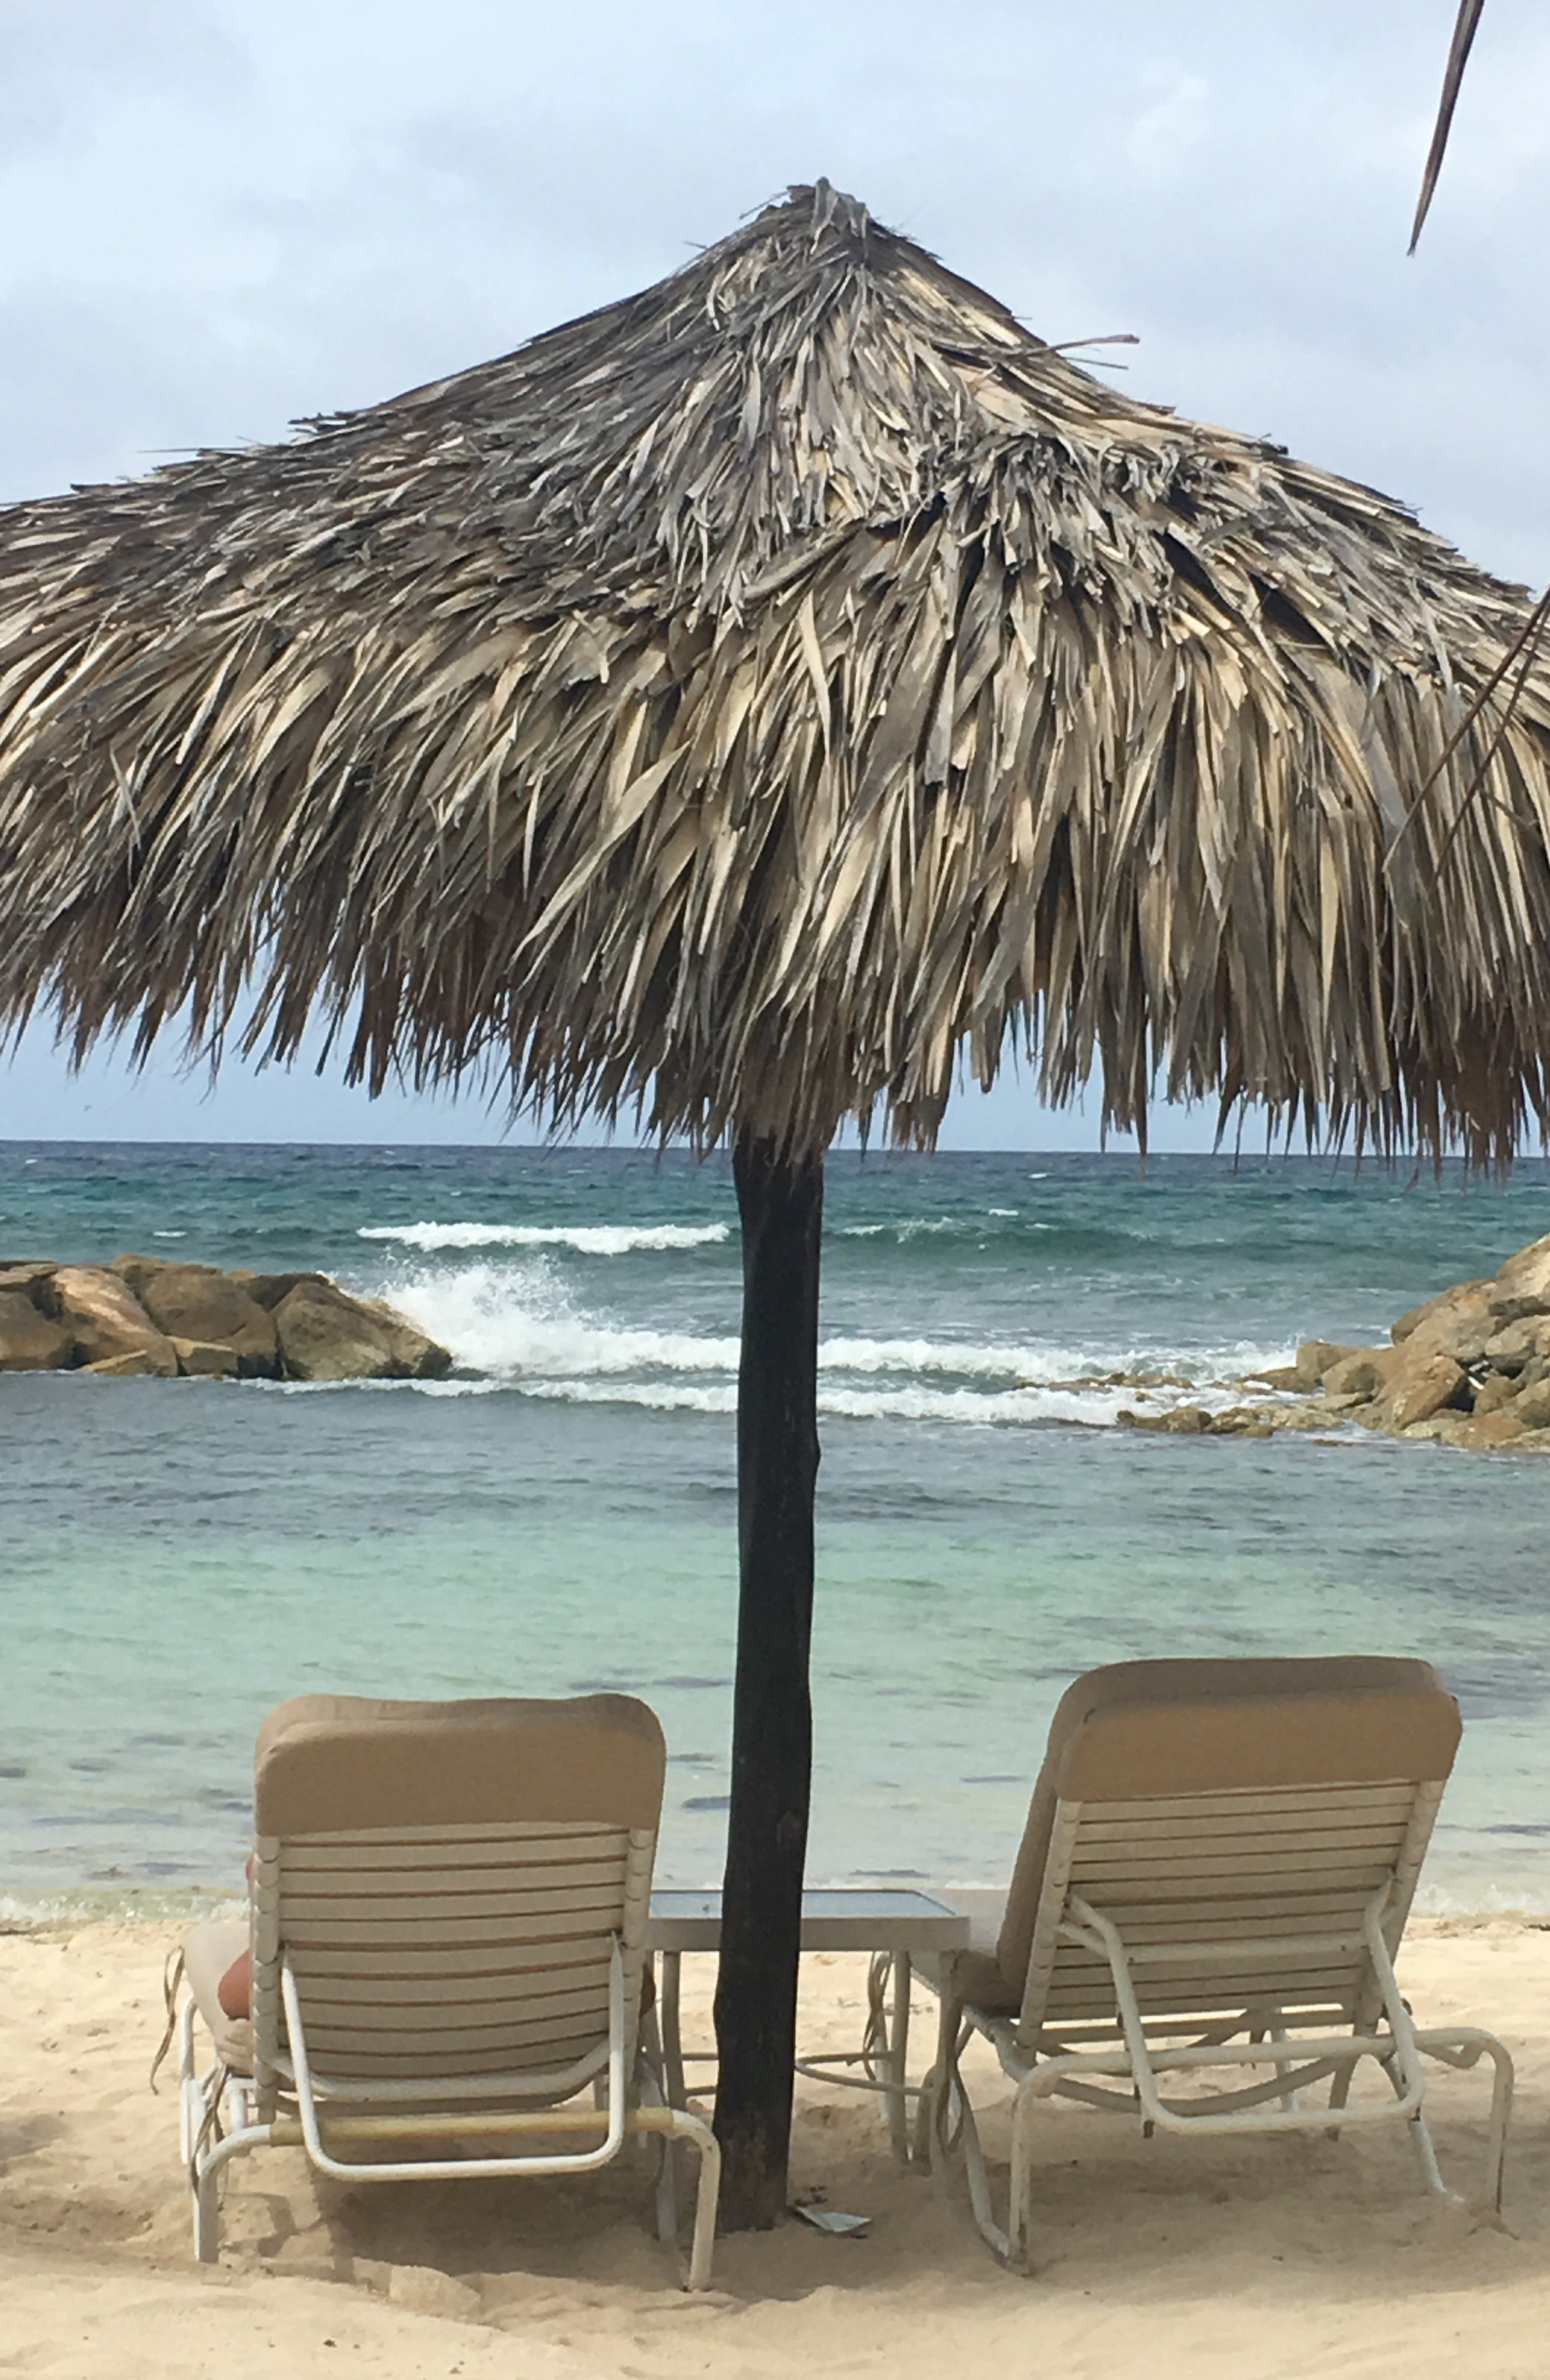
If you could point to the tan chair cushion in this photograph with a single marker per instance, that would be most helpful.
(208, 1950)
(1141, 1729)
(327, 1763)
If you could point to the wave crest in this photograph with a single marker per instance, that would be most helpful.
(517, 1325)
(584, 1239)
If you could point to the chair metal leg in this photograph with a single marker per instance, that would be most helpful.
(979, 2185)
(207, 2217)
(204, 2177)
(1020, 2183)
(898, 2058)
(1502, 2082)
(707, 2196)
(1463, 2050)
(1340, 2092)
(672, 2034)
(649, 2089)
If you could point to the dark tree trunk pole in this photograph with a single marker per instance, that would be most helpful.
(781, 1203)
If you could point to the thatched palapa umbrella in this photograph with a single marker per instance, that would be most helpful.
(745, 703)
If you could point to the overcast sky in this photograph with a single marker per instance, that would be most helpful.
(220, 214)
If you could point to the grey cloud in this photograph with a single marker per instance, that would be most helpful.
(61, 63)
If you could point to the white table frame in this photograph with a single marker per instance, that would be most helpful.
(899, 1928)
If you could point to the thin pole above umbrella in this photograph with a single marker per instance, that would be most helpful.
(748, 704)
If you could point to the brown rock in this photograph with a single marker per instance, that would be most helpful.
(1457, 1324)
(325, 1335)
(1364, 1375)
(30, 1342)
(196, 1301)
(1274, 1376)
(1438, 1428)
(418, 1357)
(137, 1271)
(1313, 1360)
(1510, 1349)
(1494, 1393)
(266, 1289)
(1532, 1406)
(134, 1364)
(1497, 1428)
(1522, 1284)
(1185, 1421)
(1241, 1421)
(199, 1359)
(105, 1319)
(1421, 1386)
(28, 1277)
(1313, 1414)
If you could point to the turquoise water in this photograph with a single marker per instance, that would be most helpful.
(178, 1556)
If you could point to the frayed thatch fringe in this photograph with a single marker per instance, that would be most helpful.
(747, 698)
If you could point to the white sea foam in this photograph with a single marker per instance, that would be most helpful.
(585, 1239)
(518, 1325)
(1012, 1408)
(662, 1396)
(936, 1227)
(519, 1321)
(961, 1358)
(914, 1227)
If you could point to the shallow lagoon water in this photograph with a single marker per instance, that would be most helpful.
(178, 1556)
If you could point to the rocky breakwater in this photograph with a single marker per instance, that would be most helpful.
(139, 1316)
(1471, 1367)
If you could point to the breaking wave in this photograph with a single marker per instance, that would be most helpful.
(518, 1326)
(584, 1239)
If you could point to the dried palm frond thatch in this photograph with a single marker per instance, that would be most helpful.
(750, 698)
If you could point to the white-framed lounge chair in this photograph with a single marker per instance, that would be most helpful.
(447, 1914)
(1217, 1869)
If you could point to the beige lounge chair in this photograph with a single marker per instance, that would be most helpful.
(449, 1909)
(1218, 1862)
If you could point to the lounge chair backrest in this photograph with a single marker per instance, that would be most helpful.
(1256, 1805)
(447, 1882)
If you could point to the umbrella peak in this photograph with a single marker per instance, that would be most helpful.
(811, 374)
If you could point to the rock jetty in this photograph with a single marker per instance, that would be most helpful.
(139, 1316)
(1471, 1368)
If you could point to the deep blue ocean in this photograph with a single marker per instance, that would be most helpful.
(175, 1557)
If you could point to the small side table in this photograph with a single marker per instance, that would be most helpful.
(899, 1928)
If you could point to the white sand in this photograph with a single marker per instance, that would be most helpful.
(1163, 2258)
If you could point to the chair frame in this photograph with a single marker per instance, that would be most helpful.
(1292, 2030)
(292, 2100)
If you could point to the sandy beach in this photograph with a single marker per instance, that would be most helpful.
(1266, 2258)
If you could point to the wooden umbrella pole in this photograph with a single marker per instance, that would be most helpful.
(780, 1199)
